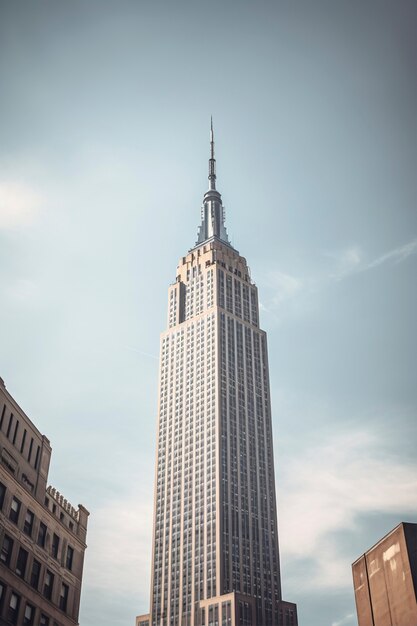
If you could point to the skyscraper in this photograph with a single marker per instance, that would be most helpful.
(215, 558)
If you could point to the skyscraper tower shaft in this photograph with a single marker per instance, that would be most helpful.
(215, 555)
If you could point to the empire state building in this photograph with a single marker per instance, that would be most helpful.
(215, 559)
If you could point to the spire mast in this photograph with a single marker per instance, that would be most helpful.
(212, 211)
(212, 160)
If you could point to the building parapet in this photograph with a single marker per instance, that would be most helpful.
(67, 506)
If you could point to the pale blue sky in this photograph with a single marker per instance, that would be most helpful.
(105, 109)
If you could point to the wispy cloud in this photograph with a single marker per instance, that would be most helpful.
(286, 286)
(351, 261)
(346, 262)
(19, 204)
(347, 619)
(351, 477)
(397, 255)
(148, 354)
(285, 289)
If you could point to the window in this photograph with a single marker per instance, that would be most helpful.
(63, 598)
(15, 510)
(16, 428)
(22, 559)
(37, 457)
(2, 594)
(29, 616)
(44, 621)
(48, 585)
(28, 525)
(2, 494)
(10, 425)
(22, 445)
(35, 574)
(55, 546)
(70, 557)
(6, 550)
(30, 449)
(13, 611)
(42, 535)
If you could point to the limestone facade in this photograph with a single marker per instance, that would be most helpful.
(42, 536)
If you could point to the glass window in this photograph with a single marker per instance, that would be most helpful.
(10, 425)
(13, 611)
(2, 594)
(22, 445)
(44, 621)
(70, 557)
(63, 598)
(21, 563)
(29, 616)
(48, 585)
(28, 525)
(55, 546)
(15, 510)
(2, 494)
(6, 550)
(42, 535)
(35, 574)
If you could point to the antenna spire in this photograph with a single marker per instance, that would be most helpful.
(212, 211)
(212, 160)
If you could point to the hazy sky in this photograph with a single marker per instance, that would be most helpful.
(105, 109)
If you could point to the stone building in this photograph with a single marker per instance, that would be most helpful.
(42, 537)
(215, 558)
(143, 620)
(385, 580)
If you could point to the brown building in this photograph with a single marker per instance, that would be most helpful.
(143, 620)
(385, 580)
(42, 537)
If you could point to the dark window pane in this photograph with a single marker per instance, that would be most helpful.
(44, 621)
(10, 425)
(55, 546)
(48, 585)
(22, 559)
(37, 457)
(30, 449)
(15, 510)
(6, 550)
(13, 610)
(63, 599)
(70, 557)
(16, 429)
(42, 535)
(35, 575)
(2, 494)
(29, 616)
(22, 445)
(28, 525)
